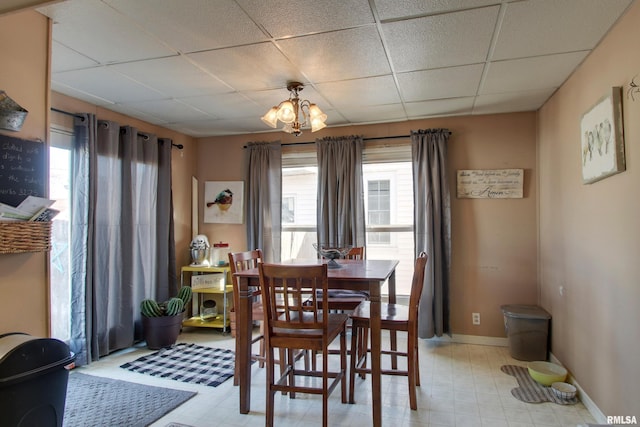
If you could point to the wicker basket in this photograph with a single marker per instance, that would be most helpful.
(24, 236)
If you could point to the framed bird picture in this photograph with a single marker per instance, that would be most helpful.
(224, 202)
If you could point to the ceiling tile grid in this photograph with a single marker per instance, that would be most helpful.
(213, 67)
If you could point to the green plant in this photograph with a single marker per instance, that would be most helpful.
(171, 307)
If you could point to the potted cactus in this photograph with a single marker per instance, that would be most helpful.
(162, 322)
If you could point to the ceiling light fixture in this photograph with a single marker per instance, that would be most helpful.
(295, 113)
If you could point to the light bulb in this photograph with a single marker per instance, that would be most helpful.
(271, 118)
(286, 112)
(317, 124)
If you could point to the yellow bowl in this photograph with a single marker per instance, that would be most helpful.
(546, 373)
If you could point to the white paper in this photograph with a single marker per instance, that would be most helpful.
(33, 204)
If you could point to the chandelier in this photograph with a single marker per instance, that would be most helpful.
(295, 113)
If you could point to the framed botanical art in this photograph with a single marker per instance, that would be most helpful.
(224, 202)
(602, 138)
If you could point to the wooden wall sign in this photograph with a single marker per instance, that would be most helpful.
(490, 183)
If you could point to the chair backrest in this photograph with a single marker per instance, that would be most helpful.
(240, 261)
(417, 285)
(289, 297)
(356, 253)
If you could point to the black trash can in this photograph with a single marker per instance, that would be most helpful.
(527, 328)
(33, 380)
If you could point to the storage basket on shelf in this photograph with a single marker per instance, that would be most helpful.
(24, 236)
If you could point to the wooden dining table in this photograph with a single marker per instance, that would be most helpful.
(368, 275)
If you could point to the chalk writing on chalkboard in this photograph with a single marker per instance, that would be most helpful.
(22, 169)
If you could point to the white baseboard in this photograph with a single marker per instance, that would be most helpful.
(593, 409)
(474, 339)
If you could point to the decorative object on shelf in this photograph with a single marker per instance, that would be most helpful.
(602, 138)
(208, 310)
(220, 254)
(295, 113)
(332, 252)
(25, 236)
(162, 322)
(200, 250)
(223, 201)
(12, 115)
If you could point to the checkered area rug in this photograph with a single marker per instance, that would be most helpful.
(189, 363)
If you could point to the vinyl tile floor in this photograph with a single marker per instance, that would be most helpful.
(462, 386)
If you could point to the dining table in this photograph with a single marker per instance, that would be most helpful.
(368, 275)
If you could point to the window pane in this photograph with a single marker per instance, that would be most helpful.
(59, 190)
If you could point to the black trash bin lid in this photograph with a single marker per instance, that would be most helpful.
(22, 355)
(519, 311)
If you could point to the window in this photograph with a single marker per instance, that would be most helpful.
(388, 186)
(59, 270)
(288, 209)
(379, 212)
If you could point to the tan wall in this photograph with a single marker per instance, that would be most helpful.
(24, 50)
(494, 258)
(589, 234)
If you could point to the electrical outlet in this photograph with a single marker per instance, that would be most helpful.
(475, 318)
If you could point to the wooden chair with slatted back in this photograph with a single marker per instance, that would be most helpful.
(239, 261)
(344, 299)
(394, 317)
(295, 320)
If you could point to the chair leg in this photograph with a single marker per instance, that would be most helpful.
(270, 393)
(262, 350)
(411, 370)
(355, 354)
(343, 364)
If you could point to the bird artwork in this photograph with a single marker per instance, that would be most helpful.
(223, 200)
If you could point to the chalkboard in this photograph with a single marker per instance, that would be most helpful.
(22, 169)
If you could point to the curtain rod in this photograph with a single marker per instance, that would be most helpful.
(364, 139)
(178, 146)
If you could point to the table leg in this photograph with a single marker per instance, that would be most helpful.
(244, 322)
(393, 335)
(376, 374)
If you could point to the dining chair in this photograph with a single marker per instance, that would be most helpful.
(394, 317)
(345, 299)
(239, 261)
(292, 323)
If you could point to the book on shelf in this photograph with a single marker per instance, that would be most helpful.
(44, 215)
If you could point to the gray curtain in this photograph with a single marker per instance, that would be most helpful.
(264, 198)
(340, 218)
(121, 234)
(432, 227)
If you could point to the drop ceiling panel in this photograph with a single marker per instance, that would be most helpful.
(393, 9)
(227, 106)
(543, 27)
(169, 110)
(375, 113)
(355, 93)
(439, 107)
(513, 76)
(175, 76)
(193, 25)
(447, 40)
(511, 102)
(65, 59)
(253, 67)
(450, 82)
(106, 84)
(95, 30)
(339, 55)
(285, 18)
